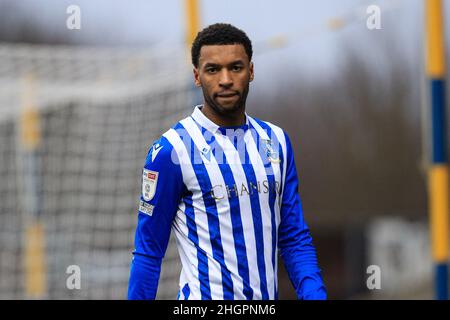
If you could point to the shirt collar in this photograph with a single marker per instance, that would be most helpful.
(203, 121)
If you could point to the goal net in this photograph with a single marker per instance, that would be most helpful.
(75, 127)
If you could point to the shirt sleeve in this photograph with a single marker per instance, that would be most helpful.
(162, 188)
(294, 239)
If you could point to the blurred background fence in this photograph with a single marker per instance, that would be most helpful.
(95, 114)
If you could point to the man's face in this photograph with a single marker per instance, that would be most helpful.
(224, 73)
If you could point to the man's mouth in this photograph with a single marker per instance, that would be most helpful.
(226, 94)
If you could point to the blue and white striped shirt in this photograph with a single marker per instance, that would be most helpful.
(230, 196)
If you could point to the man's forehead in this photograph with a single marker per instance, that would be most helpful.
(222, 54)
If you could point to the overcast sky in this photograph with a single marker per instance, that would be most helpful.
(311, 43)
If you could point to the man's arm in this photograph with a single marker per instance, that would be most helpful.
(162, 186)
(294, 239)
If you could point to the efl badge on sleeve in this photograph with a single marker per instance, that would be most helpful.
(149, 181)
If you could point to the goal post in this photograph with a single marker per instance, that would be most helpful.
(97, 112)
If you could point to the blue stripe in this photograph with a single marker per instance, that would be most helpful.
(441, 281)
(257, 221)
(439, 121)
(203, 274)
(212, 215)
(282, 157)
(235, 213)
(186, 291)
(272, 190)
(282, 167)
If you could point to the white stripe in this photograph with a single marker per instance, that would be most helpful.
(190, 180)
(188, 255)
(223, 208)
(280, 136)
(275, 167)
(277, 174)
(281, 139)
(240, 179)
(186, 249)
(260, 173)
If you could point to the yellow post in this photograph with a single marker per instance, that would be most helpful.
(192, 27)
(192, 20)
(435, 60)
(34, 240)
(438, 171)
(35, 267)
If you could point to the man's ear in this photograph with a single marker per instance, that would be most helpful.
(252, 71)
(196, 77)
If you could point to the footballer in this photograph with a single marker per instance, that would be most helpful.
(226, 185)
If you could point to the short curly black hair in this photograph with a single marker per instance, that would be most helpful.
(220, 34)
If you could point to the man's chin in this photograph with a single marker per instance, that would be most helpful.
(228, 107)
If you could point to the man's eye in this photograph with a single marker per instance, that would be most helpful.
(211, 70)
(236, 68)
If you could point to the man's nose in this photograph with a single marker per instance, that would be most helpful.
(225, 79)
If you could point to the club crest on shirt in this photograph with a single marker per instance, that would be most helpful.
(271, 154)
(149, 181)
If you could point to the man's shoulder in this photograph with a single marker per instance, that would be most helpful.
(269, 127)
(160, 150)
(165, 136)
(164, 144)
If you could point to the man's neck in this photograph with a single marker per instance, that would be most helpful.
(229, 120)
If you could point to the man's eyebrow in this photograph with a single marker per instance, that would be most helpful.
(211, 64)
(216, 65)
(236, 62)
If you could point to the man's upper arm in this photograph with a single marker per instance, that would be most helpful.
(162, 187)
(294, 239)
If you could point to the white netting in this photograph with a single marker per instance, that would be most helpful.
(99, 110)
